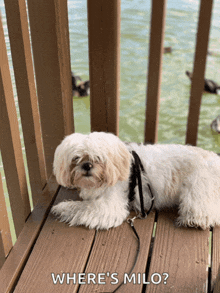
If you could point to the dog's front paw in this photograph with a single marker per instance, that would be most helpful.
(83, 213)
(65, 211)
(75, 213)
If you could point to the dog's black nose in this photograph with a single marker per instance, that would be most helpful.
(87, 166)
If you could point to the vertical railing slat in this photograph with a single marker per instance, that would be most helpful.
(199, 70)
(10, 144)
(158, 13)
(50, 43)
(104, 64)
(4, 223)
(63, 43)
(28, 104)
(2, 253)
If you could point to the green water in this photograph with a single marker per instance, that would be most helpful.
(180, 34)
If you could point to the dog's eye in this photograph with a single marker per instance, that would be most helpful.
(75, 159)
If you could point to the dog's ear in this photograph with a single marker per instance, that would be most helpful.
(118, 164)
(61, 168)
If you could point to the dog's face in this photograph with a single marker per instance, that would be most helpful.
(91, 161)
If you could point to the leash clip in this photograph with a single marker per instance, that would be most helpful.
(131, 220)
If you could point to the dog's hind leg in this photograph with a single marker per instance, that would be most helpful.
(194, 210)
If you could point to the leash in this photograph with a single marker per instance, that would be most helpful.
(136, 176)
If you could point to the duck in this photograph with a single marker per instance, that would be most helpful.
(82, 89)
(215, 125)
(209, 85)
(167, 50)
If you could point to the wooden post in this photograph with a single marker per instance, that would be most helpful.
(158, 14)
(10, 144)
(104, 62)
(24, 76)
(197, 86)
(50, 42)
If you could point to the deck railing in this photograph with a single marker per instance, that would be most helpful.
(41, 61)
(44, 94)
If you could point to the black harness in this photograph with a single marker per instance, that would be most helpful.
(135, 179)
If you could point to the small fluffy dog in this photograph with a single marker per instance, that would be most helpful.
(100, 165)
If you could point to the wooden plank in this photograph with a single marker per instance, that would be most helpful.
(4, 224)
(2, 252)
(182, 253)
(113, 256)
(60, 249)
(18, 256)
(199, 70)
(217, 283)
(50, 38)
(104, 64)
(24, 76)
(158, 14)
(215, 254)
(10, 144)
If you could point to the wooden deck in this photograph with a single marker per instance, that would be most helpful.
(75, 259)
(46, 255)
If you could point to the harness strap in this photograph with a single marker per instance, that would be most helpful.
(136, 176)
(139, 165)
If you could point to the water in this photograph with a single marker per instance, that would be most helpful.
(180, 34)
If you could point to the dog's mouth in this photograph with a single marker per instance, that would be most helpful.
(87, 174)
(86, 181)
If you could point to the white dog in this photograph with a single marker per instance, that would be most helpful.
(100, 165)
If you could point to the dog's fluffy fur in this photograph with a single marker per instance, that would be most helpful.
(100, 163)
